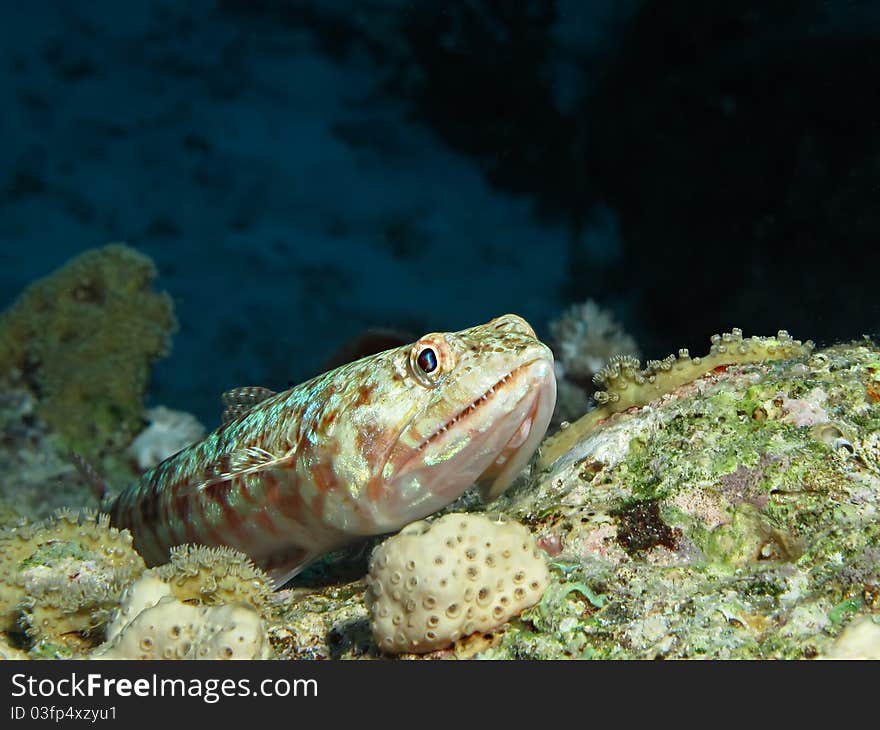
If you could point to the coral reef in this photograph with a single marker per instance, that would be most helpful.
(168, 432)
(82, 340)
(152, 624)
(64, 580)
(39, 476)
(436, 582)
(215, 575)
(627, 384)
(733, 517)
(323, 622)
(64, 575)
(710, 523)
(585, 338)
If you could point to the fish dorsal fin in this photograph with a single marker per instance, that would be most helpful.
(239, 401)
(246, 461)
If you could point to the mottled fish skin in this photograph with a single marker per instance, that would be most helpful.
(360, 450)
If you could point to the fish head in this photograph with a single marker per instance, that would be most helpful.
(460, 408)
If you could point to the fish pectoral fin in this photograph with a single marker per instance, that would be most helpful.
(287, 564)
(239, 401)
(249, 461)
(253, 457)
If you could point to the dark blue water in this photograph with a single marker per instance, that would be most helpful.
(301, 171)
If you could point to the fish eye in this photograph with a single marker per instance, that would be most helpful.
(430, 358)
(427, 360)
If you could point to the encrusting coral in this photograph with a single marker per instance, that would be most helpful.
(63, 575)
(65, 578)
(585, 337)
(215, 575)
(436, 582)
(736, 516)
(152, 624)
(205, 603)
(626, 384)
(83, 339)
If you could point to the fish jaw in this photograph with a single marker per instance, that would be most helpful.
(512, 459)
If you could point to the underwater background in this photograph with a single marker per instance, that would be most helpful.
(303, 171)
(200, 196)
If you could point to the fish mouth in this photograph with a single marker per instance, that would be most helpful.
(479, 402)
(468, 449)
(513, 457)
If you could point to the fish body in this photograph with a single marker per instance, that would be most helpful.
(361, 450)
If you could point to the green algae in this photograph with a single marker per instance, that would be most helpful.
(839, 613)
(52, 553)
(83, 340)
(45, 649)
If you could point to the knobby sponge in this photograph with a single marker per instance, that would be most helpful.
(153, 624)
(435, 582)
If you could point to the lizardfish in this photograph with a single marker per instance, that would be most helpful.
(361, 450)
